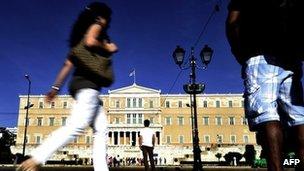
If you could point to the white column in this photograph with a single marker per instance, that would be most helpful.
(160, 138)
(136, 138)
(131, 137)
(113, 137)
(118, 138)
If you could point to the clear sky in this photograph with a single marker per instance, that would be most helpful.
(34, 33)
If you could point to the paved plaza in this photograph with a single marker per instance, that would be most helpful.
(167, 168)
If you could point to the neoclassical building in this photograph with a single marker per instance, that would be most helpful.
(222, 126)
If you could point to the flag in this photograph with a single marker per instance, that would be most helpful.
(132, 73)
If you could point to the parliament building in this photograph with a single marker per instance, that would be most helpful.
(221, 124)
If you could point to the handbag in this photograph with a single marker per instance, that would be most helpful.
(97, 65)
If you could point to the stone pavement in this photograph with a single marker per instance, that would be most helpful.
(160, 168)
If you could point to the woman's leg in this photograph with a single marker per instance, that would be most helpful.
(82, 114)
(100, 140)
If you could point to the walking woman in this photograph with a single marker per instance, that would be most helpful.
(90, 29)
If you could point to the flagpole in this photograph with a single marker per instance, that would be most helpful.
(134, 78)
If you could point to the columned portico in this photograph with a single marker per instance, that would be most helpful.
(129, 136)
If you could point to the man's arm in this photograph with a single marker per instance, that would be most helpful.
(153, 140)
(233, 33)
(140, 141)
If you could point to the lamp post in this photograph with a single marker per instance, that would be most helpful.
(193, 89)
(28, 105)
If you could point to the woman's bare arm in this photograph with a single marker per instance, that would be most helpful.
(60, 79)
(91, 38)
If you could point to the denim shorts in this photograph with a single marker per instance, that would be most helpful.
(272, 92)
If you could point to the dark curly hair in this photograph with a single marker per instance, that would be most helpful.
(86, 18)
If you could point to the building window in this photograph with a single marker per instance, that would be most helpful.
(206, 139)
(128, 102)
(116, 121)
(151, 120)
(168, 139)
(38, 139)
(168, 120)
(230, 103)
(88, 140)
(233, 139)
(181, 139)
(51, 119)
(217, 104)
(231, 121)
(244, 121)
(134, 118)
(140, 118)
(180, 104)
(128, 118)
(218, 120)
(151, 104)
(134, 102)
(39, 121)
(180, 120)
(242, 103)
(117, 104)
(65, 105)
(246, 139)
(63, 121)
(219, 139)
(205, 120)
(40, 105)
(140, 102)
(205, 103)
(167, 104)
(52, 104)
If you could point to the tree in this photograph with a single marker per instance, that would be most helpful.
(249, 154)
(229, 157)
(218, 156)
(7, 139)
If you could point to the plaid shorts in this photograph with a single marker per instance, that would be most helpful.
(272, 93)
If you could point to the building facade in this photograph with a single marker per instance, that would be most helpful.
(222, 126)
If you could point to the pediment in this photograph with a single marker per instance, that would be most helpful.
(134, 89)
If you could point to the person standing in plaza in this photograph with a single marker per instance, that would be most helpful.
(264, 36)
(146, 144)
(90, 29)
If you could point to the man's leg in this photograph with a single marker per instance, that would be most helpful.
(150, 152)
(300, 145)
(272, 143)
(145, 153)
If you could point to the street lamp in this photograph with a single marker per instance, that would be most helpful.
(193, 88)
(27, 107)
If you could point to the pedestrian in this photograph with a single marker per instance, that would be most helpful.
(118, 160)
(90, 29)
(146, 144)
(115, 161)
(264, 36)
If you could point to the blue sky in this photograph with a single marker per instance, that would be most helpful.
(34, 33)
